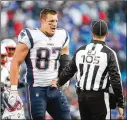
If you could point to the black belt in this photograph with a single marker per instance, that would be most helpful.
(103, 90)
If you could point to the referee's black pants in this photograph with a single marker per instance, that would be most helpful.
(93, 106)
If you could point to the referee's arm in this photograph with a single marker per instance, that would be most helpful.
(115, 79)
(67, 72)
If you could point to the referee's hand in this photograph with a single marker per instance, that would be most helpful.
(121, 114)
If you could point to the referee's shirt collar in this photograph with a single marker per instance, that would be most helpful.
(98, 41)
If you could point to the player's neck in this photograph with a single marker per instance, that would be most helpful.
(100, 39)
(46, 33)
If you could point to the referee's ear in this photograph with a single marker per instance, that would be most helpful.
(92, 34)
(106, 34)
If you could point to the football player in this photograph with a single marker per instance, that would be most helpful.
(4, 70)
(41, 49)
(8, 112)
(10, 46)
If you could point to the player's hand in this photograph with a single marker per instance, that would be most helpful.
(14, 101)
(121, 114)
(54, 83)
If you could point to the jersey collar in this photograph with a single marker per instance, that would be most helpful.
(97, 41)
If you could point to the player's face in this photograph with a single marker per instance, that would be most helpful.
(50, 24)
(3, 59)
(10, 51)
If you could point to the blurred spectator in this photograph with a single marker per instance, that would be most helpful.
(18, 26)
(102, 15)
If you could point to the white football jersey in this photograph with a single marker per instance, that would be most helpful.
(42, 60)
(22, 70)
(8, 65)
(5, 76)
(9, 59)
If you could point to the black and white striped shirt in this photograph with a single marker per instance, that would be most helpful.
(94, 64)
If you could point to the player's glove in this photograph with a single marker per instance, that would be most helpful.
(14, 100)
(13, 105)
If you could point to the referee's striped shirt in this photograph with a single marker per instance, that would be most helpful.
(94, 64)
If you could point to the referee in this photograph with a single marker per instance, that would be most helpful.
(96, 67)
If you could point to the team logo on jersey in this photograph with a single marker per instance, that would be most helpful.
(37, 94)
(22, 34)
(51, 44)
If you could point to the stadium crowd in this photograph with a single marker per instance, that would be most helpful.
(75, 17)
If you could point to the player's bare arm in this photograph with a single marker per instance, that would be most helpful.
(65, 50)
(19, 56)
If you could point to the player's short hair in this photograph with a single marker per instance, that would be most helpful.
(46, 11)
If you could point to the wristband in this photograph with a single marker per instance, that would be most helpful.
(14, 87)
